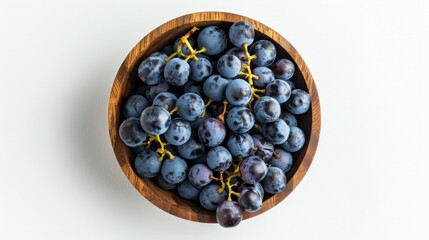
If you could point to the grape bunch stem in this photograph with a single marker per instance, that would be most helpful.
(226, 181)
(161, 150)
(184, 41)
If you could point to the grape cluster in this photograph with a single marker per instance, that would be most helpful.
(214, 120)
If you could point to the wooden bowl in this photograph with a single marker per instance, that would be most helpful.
(127, 79)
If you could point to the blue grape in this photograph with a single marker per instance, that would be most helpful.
(239, 53)
(295, 141)
(210, 197)
(169, 49)
(264, 149)
(291, 84)
(190, 106)
(174, 171)
(229, 214)
(211, 132)
(229, 65)
(265, 52)
(238, 92)
(179, 132)
(155, 120)
(151, 69)
(192, 149)
(131, 133)
(165, 99)
(299, 102)
(219, 158)
(213, 38)
(276, 132)
(257, 187)
(283, 69)
(267, 109)
(284, 162)
(195, 87)
(214, 87)
(152, 91)
(185, 49)
(252, 169)
(240, 144)
(202, 159)
(176, 72)
(138, 149)
(279, 90)
(161, 55)
(134, 106)
(196, 123)
(200, 69)
(265, 76)
(147, 164)
(187, 191)
(200, 175)
(275, 180)
(241, 32)
(250, 200)
(160, 181)
(289, 118)
(240, 119)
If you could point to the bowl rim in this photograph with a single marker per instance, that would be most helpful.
(141, 48)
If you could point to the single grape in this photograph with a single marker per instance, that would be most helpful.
(195, 87)
(214, 87)
(160, 181)
(152, 91)
(219, 158)
(211, 132)
(257, 187)
(190, 106)
(240, 144)
(267, 109)
(200, 69)
(138, 149)
(279, 90)
(200, 175)
(295, 141)
(169, 49)
(264, 149)
(299, 102)
(176, 72)
(229, 65)
(196, 123)
(291, 84)
(165, 99)
(289, 118)
(131, 133)
(265, 76)
(151, 69)
(192, 149)
(284, 69)
(202, 159)
(250, 200)
(276, 132)
(275, 180)
(239, 53)
(179, 132)
(134, 106)
(265, 52)
(229, 214)
(161, 55)
(147, 164)
(187, 191)
(284, 162)
(238, 92)
(241, 32)
(185, 49)
(213, 38)
(240, 119)
(174, 171)
(252, 169)
(155, 120)
(210, 197)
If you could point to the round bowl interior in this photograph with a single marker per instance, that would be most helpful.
(127, 80)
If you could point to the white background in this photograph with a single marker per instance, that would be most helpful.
(59, 178)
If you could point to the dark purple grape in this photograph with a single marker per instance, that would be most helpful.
(211, 132)
(147, 164)
(192, 149)
(265, 52)
(284, 162)
(239, 53)
(240, 119)
(131, 133)
(267, 109)
(210, 197)
(229, 214)
(284, 69)
(295, 141)
(151, 69)
(252, 169)
(229, 65)
(165, 99)
(279, 90)
(276, 132)
(264, 148)
(250, 200)
(200, 175)
(241, 32)
(275, 180)
(187, 191)
(134, 106)
(219, 158)
(213, 38)
(155, 120)
(240, 144)
(174, 171)
(195, 87)
(299, 102)
(265, 76)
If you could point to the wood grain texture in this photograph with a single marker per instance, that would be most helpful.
(126, 80)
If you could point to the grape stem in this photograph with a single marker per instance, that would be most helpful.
(161, 150)
(205, 107)
(221, 117)
(184, 41)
